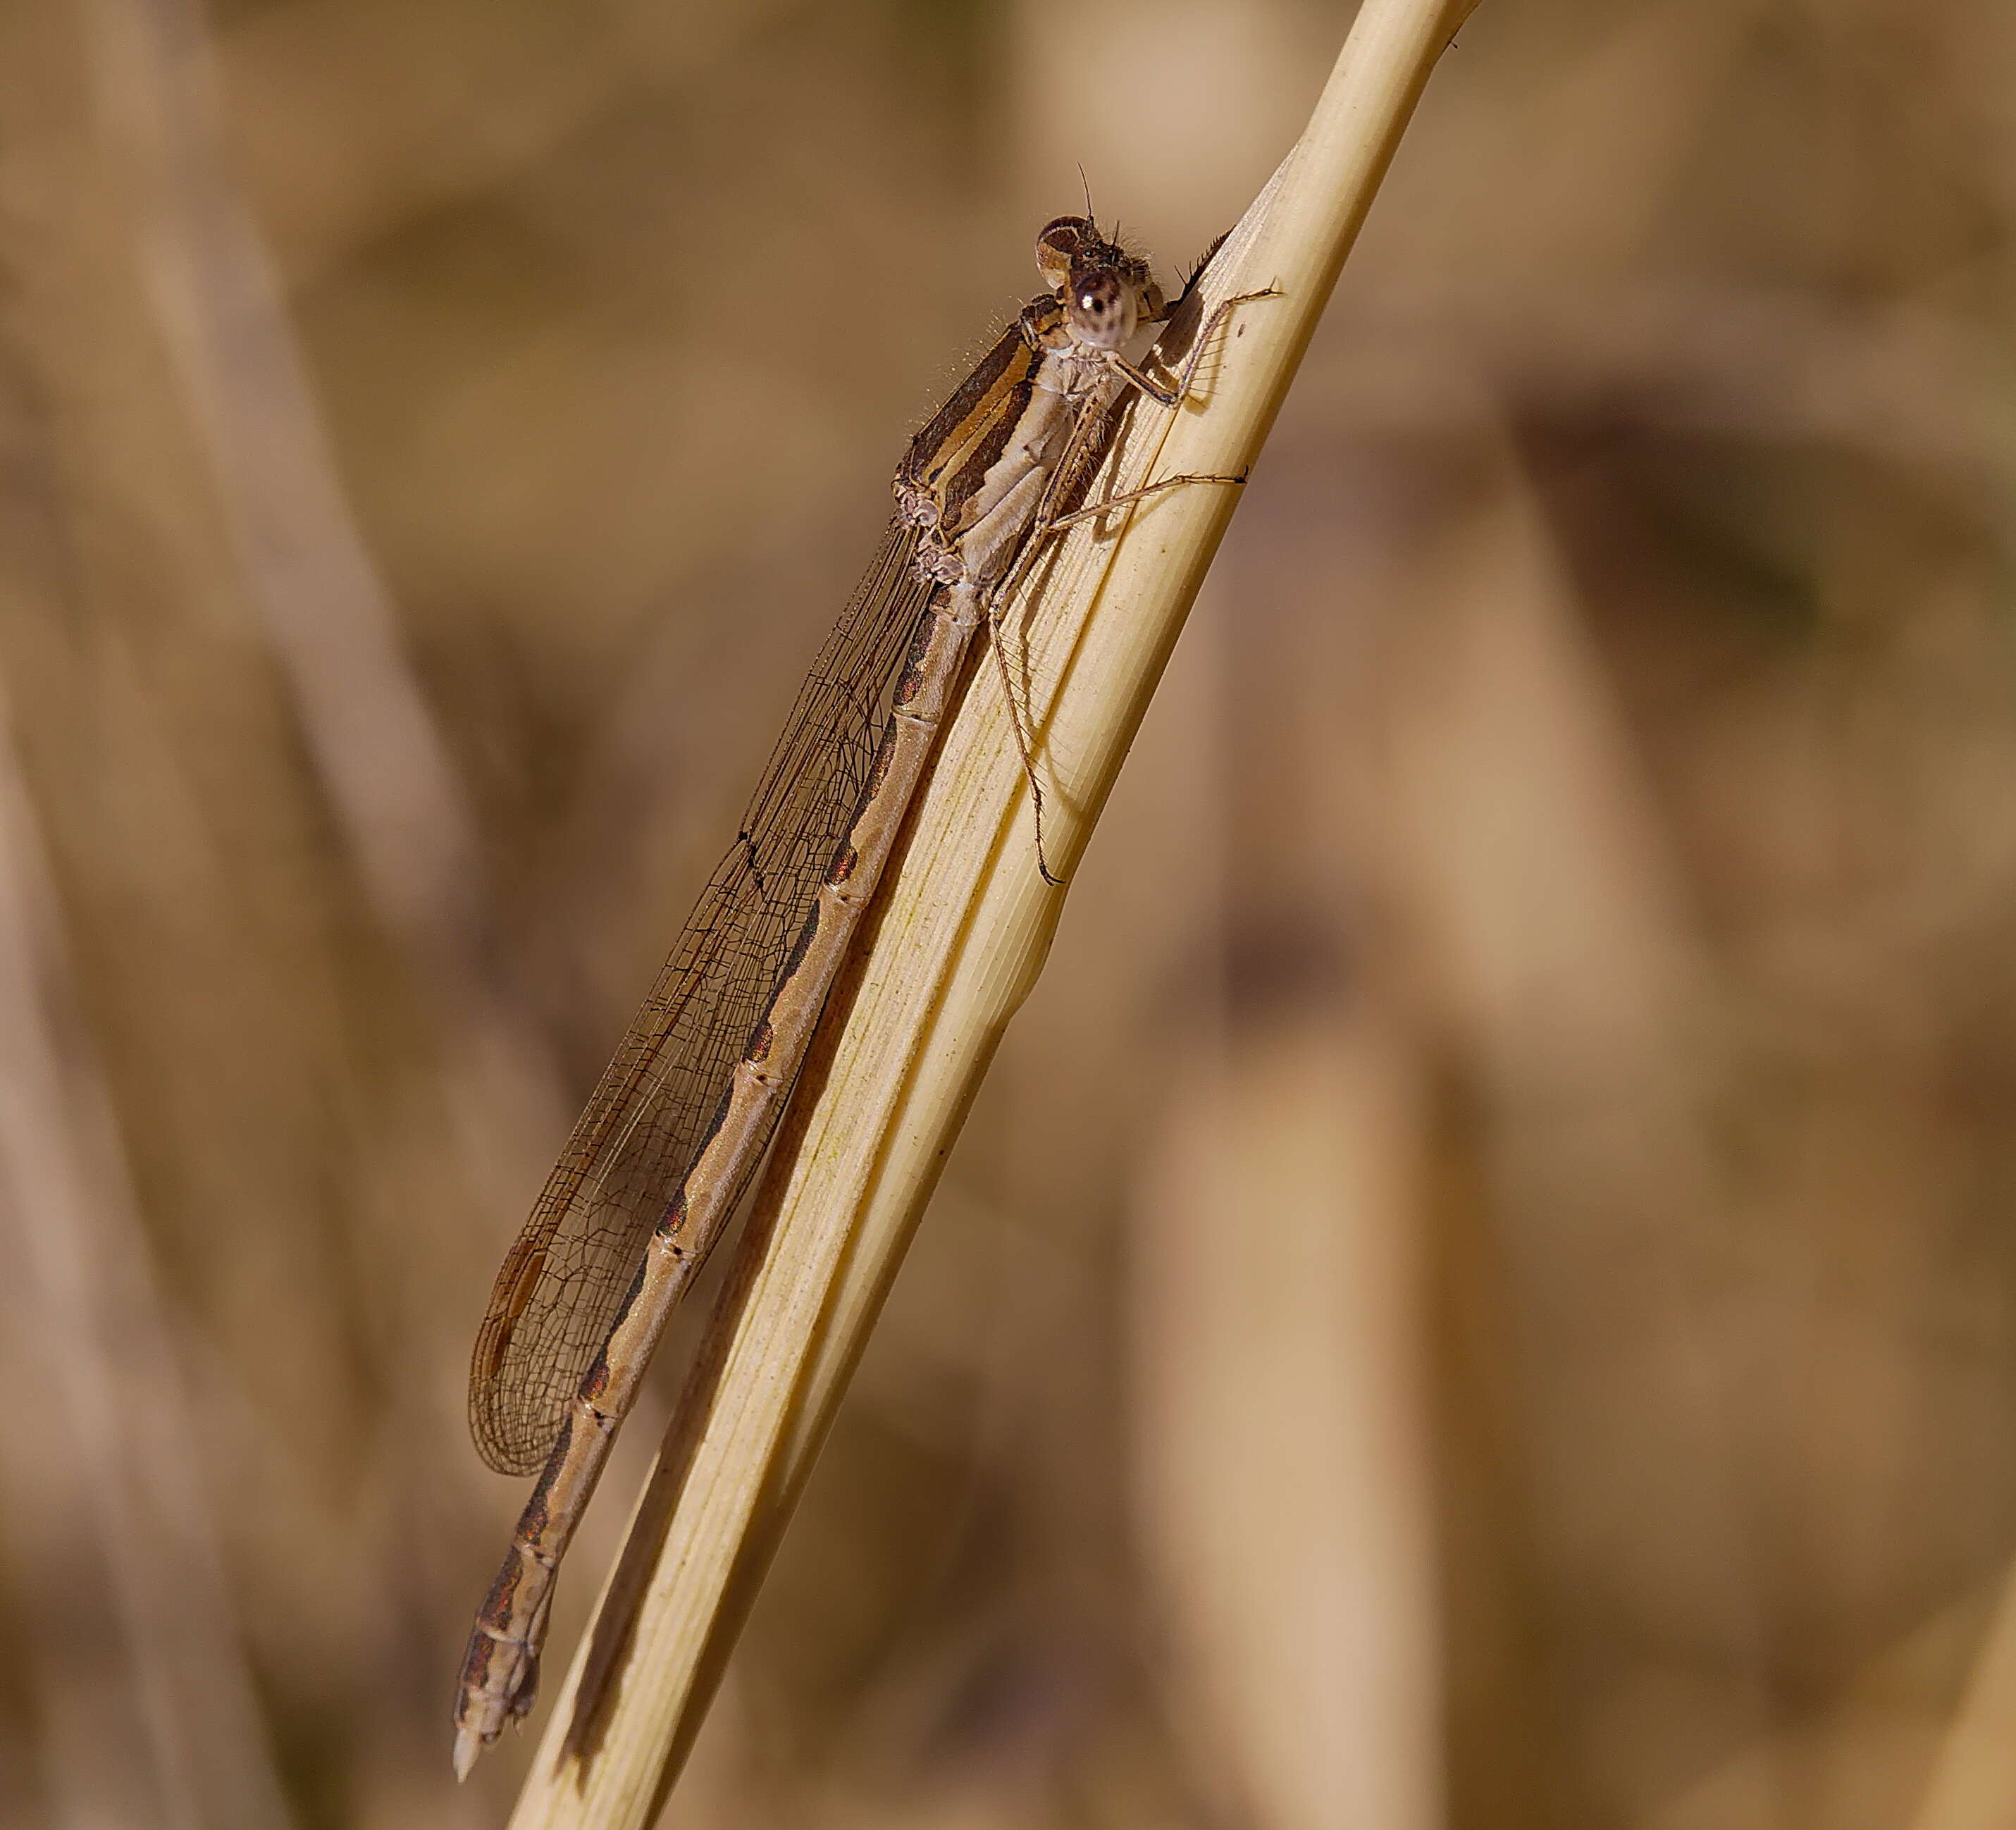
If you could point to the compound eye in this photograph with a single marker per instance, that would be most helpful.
(1102, 311)
(1058, 245)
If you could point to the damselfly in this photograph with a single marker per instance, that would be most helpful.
(659, 1160)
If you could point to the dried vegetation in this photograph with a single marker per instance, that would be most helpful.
(1481, 1288)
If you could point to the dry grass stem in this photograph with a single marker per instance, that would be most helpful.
(109, 1446)
(1286, 1493)
(964, 931)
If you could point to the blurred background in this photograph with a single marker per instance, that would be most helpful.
(1481, 1289)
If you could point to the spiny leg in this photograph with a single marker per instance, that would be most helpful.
(1096, 509)
(1088, 429)
(1219, 313)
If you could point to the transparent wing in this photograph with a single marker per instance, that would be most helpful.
(566, 1276)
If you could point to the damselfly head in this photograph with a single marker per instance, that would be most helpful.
(1106, 292)
(1058, 244)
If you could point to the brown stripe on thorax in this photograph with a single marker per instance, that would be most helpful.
(948, 459)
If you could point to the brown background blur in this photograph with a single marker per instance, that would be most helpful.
(1482, 1288)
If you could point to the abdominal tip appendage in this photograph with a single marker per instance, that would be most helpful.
(468, 1744)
